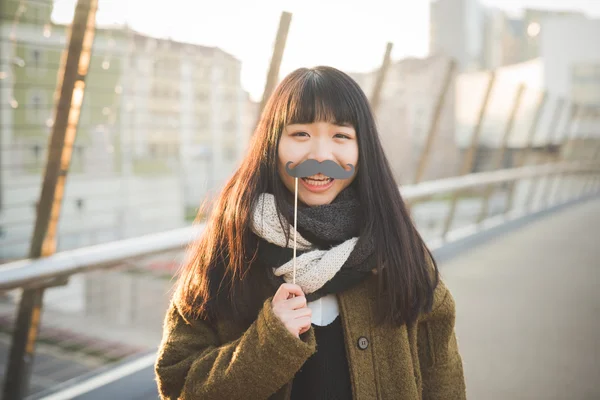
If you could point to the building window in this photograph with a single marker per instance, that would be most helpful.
(36, 102)
(35, 63)
(36, 109)
(37, 150)
(79, 203)
(37, 56)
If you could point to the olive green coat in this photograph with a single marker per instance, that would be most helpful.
(198, 361)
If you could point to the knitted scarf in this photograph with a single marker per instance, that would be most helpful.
(331, 256)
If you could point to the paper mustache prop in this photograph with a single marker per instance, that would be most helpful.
(312, 167)
(308, 168)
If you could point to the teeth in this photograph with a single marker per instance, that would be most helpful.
(315, 182)
(318, 177)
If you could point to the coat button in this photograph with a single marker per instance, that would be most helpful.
(363, 343)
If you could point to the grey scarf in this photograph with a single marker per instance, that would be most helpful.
(325, 227)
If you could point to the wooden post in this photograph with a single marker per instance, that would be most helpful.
(553, 182)
(435, 120)
(533, 129)
(385, 65)
(70, 90)
(558, 111)
(273, 74)
(569, 136)
(528, 149)
(596, 134)
(498, 160)
(579, 150)
(470, 155)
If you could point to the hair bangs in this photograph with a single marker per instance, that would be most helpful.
(318, 98)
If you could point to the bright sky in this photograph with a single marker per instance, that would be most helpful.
(350, 35)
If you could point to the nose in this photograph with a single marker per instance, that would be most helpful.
(321, 151)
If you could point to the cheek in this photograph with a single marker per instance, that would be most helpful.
(289, 151)
(285, 153)
(350, 155)
(352, 158)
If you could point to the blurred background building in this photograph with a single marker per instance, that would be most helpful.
(162, 123)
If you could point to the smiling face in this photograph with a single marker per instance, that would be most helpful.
(319, 141)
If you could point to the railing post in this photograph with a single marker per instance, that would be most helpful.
(470, 155)
(562, 179)
(273, 74)
(550, 191)
(378, 87)
(70, 90)
(435, 120)
(558, 112)
(501, 151)
(530, 138)
(594, 134)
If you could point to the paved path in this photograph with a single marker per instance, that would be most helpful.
(528, 309)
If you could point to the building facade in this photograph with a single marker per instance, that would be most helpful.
(161, 123)
(457, 31)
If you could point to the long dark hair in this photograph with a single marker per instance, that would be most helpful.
(214, 281)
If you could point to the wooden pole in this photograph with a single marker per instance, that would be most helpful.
(470, 155)
(552, 136)
(70, 90)
(278, 50)
(435, 121)
(498, 160)
(385, 65)
(528, 150)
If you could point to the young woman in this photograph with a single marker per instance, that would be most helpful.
(364, 316)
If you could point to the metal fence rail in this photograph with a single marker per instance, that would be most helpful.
(36, 272)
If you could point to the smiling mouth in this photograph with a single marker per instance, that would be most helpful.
(318, 181)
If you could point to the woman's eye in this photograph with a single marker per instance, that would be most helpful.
(342, 135)
(299, 134)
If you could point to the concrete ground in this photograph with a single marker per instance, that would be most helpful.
(528, 309)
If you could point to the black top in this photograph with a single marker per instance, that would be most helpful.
(325, 375)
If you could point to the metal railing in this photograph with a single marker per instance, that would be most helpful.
(106, 302)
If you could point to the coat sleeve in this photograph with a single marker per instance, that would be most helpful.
(439, 358)
(191, 363)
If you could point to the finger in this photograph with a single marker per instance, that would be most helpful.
(295, 303)
(303, 330)
(300, 323)
(291, 315)
(284, 291)
(301, 313)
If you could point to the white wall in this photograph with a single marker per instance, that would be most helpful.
(564, 42)
(457, 29)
